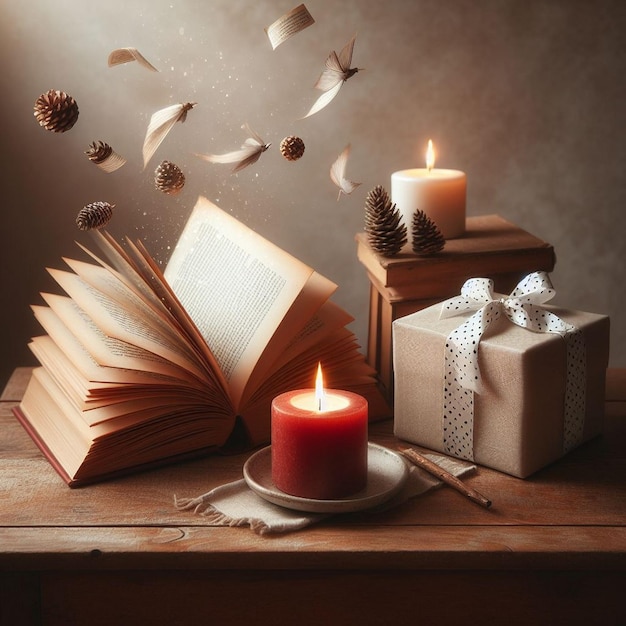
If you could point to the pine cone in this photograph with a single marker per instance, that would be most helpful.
(94, 215)
(427, 238)
(99, 151)
(56, 111)
(385, 232)
(292, 148)
(104, 156)
(169, 178)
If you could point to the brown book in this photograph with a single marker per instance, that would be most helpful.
(142, 367)
(491, 246)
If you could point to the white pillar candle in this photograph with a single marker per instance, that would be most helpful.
(439, 193)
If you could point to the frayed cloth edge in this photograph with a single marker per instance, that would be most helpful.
(214, 516)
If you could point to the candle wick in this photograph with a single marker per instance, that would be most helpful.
(321, 403)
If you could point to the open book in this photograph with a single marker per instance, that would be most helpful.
(140, 367)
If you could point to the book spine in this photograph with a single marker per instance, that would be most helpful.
(444, 277)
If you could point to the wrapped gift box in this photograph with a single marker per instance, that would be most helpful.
(519, 414)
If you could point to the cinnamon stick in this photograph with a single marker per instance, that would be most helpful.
(446, 477)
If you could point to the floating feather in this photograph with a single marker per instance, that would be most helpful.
(126, 55)
(160, 125)
(249, 153)
(338, 171)
(334, 75)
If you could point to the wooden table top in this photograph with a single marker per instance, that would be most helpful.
(570, 515)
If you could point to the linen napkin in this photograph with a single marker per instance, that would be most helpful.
(235, 504)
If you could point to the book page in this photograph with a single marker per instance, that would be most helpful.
(137, 433)
(131, 268)
(132, 324)
(66, 438)
(105, 350)
(341, 361)
(288, 25)
(86, 395)
(236, 286)
(81, 359)
(111, 284)
(138, 271)
(61, 368)
(329, 319)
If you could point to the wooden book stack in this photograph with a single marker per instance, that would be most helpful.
(492, 248)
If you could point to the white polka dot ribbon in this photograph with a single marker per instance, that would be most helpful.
(462, 375)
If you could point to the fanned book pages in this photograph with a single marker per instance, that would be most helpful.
(139, 367)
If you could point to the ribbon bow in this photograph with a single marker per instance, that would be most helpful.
(522, 308)
(462, 374)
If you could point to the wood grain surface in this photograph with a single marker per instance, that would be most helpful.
(559, 536)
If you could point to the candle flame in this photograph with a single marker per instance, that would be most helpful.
(320, 395)
(430, 156)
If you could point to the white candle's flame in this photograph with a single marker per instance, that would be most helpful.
(430, 156)
(320, 395)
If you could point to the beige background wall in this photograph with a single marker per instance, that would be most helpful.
(526, 96)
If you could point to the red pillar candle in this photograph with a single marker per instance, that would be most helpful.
(319, 454)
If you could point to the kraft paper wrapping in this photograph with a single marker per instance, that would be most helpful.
(518, 416)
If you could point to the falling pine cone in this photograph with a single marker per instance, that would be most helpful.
(169, 178)
(56, 111)
(104, 156)
(94, 215)
(385, 232)
(292, 148)
(427, 238)
(99, 152)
